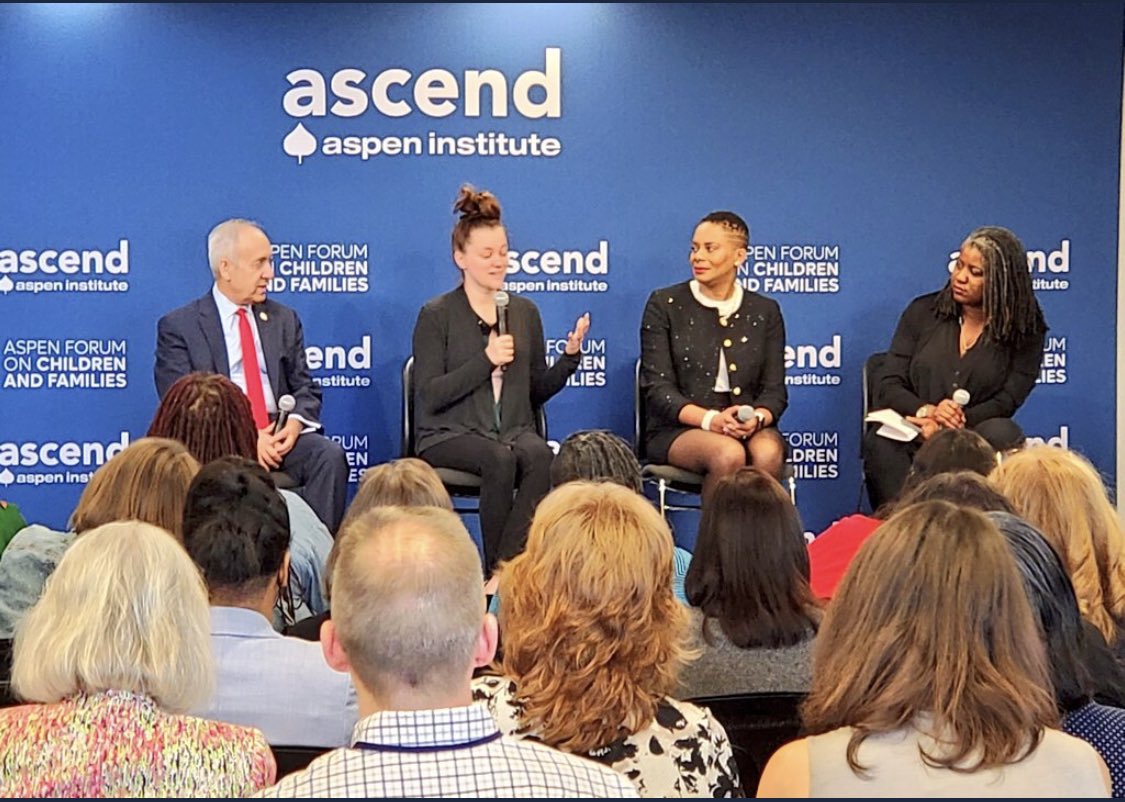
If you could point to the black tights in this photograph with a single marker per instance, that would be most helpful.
(514, 477)
(718, 455)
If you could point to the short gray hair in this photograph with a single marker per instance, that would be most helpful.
(222, 239)
(408, 598)
(125, 610)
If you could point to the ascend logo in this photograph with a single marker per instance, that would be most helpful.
(434, 92)
(564, 270)
(45, 265)
(341, 365)
(813, 364)
(58, 458)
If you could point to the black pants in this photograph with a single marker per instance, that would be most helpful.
(513, 480)
(887, 462)
(320, 467)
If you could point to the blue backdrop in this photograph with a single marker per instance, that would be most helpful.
(861, 143)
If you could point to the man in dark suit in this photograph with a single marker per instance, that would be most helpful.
(234, 330)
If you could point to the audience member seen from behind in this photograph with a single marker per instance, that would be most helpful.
(236, 529)
(709, 348)
(115, 652)
(147, 481)
(753, 613)
(982, 333)
(595, 583)
(597, 455)
(947, 451)
(1062, 495)
(210, 415)
(477, 387)
(1069, 648)
(930, 678)
(406, 482)
(409, 625)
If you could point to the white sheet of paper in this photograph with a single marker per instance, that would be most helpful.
(894, 426)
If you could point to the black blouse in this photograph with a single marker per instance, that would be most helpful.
(453, 376)
(924, 366)
(680, 343)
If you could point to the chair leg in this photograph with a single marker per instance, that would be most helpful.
(662, 489)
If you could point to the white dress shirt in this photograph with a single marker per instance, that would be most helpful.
(228, 317)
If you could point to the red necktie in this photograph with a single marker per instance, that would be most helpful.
(251, 372)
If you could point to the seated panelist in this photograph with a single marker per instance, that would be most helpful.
(234, 330)
(980, 335)
(480, 372)
(710, 351)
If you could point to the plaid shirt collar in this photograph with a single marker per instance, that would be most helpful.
(407, 730)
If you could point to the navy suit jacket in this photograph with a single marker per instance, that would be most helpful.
(190, 339)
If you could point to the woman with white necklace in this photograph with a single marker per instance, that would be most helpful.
(708, 349)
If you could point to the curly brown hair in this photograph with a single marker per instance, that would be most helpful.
(593, 635)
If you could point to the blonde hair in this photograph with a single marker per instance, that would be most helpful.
(408, 598)
(125, 610)
(406, 482)
(593, 635)
(1061, 493)
(932, 619)
(148, 481)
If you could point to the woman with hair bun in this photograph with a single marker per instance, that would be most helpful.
(477, 388)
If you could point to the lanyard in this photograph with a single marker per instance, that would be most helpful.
(370, 747)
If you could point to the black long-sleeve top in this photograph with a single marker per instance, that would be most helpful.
(453, 377)
(924, 365)
(680, 343)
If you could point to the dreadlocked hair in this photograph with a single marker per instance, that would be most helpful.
(1011, 312)
(596, 455)
(210, 415)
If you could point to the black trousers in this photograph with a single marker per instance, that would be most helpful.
(320, 468)
(887, 462)
(513, 480)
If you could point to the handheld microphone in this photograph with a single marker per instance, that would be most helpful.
(745, 413)
(501, 300)
(961, 397)
(285, 405)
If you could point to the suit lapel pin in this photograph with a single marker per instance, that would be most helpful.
(263, 316)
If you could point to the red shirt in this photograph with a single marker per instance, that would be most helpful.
(832, 550)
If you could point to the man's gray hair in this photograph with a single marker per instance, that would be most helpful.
(408, 598)
(222, 240)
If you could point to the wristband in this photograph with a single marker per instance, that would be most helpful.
(708, 416)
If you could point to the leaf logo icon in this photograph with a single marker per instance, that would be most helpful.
(6, 285)
(299, 143)
(6, 477)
